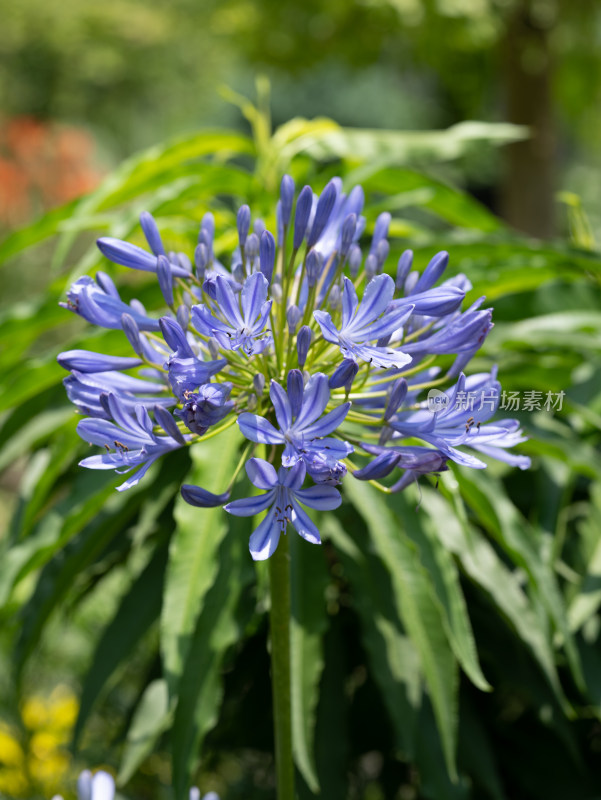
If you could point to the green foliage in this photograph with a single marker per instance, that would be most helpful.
(443, 638)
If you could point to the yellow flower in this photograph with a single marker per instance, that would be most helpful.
(11, 752)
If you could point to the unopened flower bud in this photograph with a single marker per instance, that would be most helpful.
(251, 248)
(303, 342)
(293, 317)
(325, 206)
(313, 265)
(165, 279)
(286, 199)
(267, 255)
(404, 265)
(355, 256)
(259, 383)
(301, 215)
(243, 223)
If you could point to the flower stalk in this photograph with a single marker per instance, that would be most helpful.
(279, 621)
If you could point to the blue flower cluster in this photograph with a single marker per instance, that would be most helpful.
(316, 353)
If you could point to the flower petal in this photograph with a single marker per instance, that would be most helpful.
(254, 294)
(328, 424)
(321, 497)
(258, 429)
(376, 298)
(264, 540)
(281, 405)
(249, 506)
(261, 473)
(315, 400)
(303, 524)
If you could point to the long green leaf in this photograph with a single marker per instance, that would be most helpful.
(219, 625)
(309, 578)
(137, 611)
(193, 557)
(419, 611)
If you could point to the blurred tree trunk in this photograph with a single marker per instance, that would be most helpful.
(527, 200)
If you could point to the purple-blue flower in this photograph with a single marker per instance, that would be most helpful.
(303, 432)
(366, 322)
(129, 439)
(99, 303)
(206, 407)
(307, 308)
(284, 498)
(240, 324)
(463, 410)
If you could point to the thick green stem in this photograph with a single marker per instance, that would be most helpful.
(279, 574)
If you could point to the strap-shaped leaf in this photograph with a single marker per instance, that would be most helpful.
(193, 556)
(309, 581)
(219, 625)
(393, 659)
(440, 566)
(150, 720)
(137, 611)
(418, 609)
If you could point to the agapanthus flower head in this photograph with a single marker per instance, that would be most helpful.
(302, 338)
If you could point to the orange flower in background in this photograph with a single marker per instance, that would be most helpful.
(42, 165)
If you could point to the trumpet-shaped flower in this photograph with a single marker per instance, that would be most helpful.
(367, 322)
(284, 498)
(303, 432)
(239, 325)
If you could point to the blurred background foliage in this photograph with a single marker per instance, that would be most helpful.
(510, 561)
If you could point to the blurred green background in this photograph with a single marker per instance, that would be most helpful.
(84, 86)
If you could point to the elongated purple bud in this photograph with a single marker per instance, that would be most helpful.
(197, 496)
(131, 330)
(349, 226)
(183, 316)
(251, 248)
(175, 337)
(355, 256)
(313, 265)
(201, 259)
(132, 256)
(267, 255)
(380, 467)
(286, 198)
(395, 399)
(243, 223)
(184, 262)
(151, 232)
(432, 272)
(344, 374)
(279, 224)
(295, 387)
(239, 272)
(371, 266)
(411, 282)
(382, 251)
(293, 317)
(402, 270)
(107, 285)
(303, 342)
(335, 297)
(88, 361)
(259, 227)
(325, 205)
(259, 383)
(168, 424)
(380, 231)
(207, 227)
(165, 279)
(301, 215)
